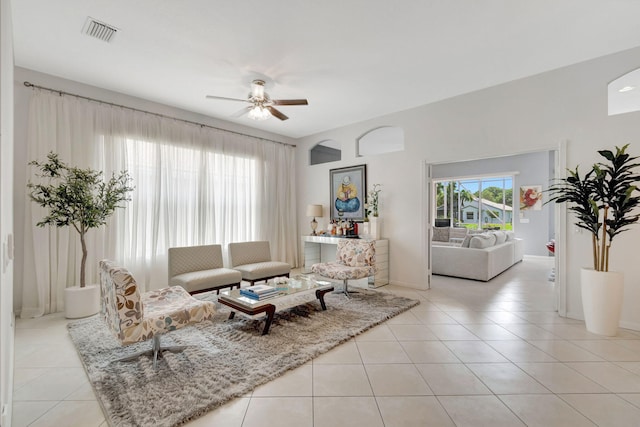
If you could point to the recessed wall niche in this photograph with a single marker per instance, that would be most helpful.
(624, 93)
(386, 139)
(324, 152)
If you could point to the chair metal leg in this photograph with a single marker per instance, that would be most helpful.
(155, 350)
(345, 289)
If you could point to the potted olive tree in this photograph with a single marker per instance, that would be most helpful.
(82, 199)
(604, 202)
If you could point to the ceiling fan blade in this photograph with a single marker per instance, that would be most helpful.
(226, 99)
(290, 102)
(277, 113)
(241, 112)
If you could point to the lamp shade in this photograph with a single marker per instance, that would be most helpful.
(314, 210)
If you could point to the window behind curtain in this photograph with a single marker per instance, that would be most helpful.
(185, 197)
(193, 185)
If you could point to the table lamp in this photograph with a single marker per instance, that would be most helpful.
(314, 211)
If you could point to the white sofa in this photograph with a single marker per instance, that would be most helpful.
(482, 262)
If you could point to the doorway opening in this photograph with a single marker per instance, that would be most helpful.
(512, 175)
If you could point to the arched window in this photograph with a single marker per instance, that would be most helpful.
(386, 139)
(324, 152)
(624, 93)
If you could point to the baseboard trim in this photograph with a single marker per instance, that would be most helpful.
(419, 287)
(634, 326)
(575, 316)
(537, 257)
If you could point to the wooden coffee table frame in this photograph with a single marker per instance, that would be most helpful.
(268, 309)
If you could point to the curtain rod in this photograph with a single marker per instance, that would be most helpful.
(61, 92)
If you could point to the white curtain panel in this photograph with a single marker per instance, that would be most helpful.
(193, 185)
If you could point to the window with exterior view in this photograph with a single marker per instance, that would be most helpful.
(476, 203)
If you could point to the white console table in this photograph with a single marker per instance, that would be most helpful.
(323, 249)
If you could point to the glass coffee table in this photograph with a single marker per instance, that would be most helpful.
(292, 292)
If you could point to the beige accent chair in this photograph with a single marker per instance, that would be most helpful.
(355, 259)
(253, 261)
(200, 269)
(134, 317)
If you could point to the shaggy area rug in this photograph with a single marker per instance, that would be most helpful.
(225, 358)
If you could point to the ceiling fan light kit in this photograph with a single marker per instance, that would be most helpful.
(259, 113)
(262, 104)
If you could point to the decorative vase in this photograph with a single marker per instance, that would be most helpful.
(602, 293)
(374, 228)
(365, 228)
(81, 302)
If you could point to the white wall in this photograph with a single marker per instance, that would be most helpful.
(531, 114)
(6, 212)
(22, 95)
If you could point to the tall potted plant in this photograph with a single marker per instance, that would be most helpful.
(82, 199)
(604, 201)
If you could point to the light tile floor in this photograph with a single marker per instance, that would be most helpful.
(471, 354)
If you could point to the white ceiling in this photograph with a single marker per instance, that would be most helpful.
(352, 59)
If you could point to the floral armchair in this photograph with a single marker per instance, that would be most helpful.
(355, 259)
(135, 317)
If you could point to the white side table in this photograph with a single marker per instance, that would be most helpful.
(323, 249)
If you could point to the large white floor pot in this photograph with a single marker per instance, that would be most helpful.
(81, 302)
(602, 294)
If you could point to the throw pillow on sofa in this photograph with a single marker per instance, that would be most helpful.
(476, 231)
(440, 234)
(501, 237)
(457, 233)
(482, 241)
(466, 241)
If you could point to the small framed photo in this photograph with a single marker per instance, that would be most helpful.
(348, 192)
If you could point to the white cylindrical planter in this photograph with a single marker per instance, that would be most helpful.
(81, 302)
(364, 229)
(374, 227)
(602, 294)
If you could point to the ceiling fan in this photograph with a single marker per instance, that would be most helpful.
(261, 105)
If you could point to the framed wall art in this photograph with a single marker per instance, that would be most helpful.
(531, 197)
(348, 192)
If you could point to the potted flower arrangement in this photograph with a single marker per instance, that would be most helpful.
(373, 200)
(78, 198)
(604, 203)
(372, 227)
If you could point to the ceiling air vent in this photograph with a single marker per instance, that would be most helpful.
(99, 30)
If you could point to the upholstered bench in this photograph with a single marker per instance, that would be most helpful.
(200, 269)
(253, 261)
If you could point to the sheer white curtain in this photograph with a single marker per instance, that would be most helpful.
(193, 185)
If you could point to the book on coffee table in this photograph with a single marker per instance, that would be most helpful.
(260, 292)
(261, 296)
(259, 289)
